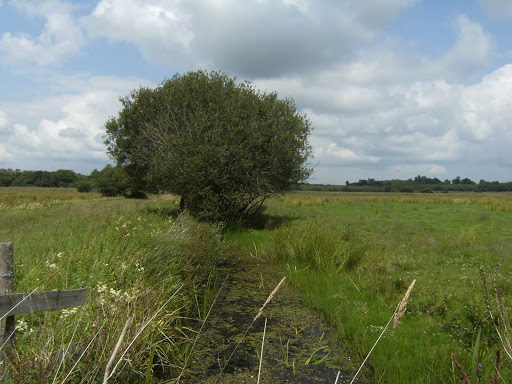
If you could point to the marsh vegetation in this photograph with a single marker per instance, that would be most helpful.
(354, 255)
(351, 256)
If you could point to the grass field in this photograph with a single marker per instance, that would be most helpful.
(354, 255)
(27, 198)
(139, 264)
(351, 255)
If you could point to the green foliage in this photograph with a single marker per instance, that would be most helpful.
(476, 354)
(353, 256)
(419, 184)
(132, 258)
(467, 181)
(112, 181)
(7, 176)
(221, 145)
(407, 189)
(18, 178)
(84, 186)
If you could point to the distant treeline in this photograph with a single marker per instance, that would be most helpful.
(422, 184)
(60, 178)
(110, 181)
(113, 181)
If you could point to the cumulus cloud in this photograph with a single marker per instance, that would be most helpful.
(472, 51)
(486, 107)
(257, 39)
(60, 39)
(160, 29)
(377, 108)
(251, 38)
(422, 124)
(66, 128)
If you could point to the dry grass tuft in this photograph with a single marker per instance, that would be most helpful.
(403, 304)
(269, 298)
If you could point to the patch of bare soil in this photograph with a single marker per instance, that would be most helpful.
(299, 346)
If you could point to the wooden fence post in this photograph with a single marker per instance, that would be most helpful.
(7, 325)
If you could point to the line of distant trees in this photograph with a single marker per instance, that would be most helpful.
(60, 178)
(114, 181)
(110, 181)
(422, 184)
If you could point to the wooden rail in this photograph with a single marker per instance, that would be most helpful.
(12, 304)
(19, 303)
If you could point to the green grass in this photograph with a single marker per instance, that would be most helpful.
(351, 255)
(132, 256)
(36, 197)
(354, 255)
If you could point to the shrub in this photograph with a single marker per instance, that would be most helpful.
(84, 186)
(223, 146)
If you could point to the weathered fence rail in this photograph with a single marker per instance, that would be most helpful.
(12, 304)
(19, 303)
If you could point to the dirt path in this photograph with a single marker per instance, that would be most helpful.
(299, 347)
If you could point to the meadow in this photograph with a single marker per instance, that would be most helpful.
(140, 264)
(353, 257)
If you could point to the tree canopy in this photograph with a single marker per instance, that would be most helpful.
(223, 146)
(59, 178)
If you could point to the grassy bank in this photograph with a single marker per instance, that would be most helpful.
(140, 266)
(353, 257)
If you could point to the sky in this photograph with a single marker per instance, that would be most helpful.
(393, 88)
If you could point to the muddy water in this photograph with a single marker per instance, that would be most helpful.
(299, 347)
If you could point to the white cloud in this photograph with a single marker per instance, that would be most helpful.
(5, 156)
(422, 124)
(486, 107)
(344, 154)
(386, 62)
(67, 127)
(251, 38)
(376, 106)
(60, 39)
(3, 122)
(472, 50)
(421, 169)
(160, 29)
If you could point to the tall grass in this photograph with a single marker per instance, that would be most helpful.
(353, 257)
(137, 263)
(23, 197)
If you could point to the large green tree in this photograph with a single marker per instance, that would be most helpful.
(223, 146)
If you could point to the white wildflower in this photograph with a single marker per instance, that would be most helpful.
(21, 326)
(101, 288)
(68, 312)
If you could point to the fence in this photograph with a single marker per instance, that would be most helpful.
(12, 304)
